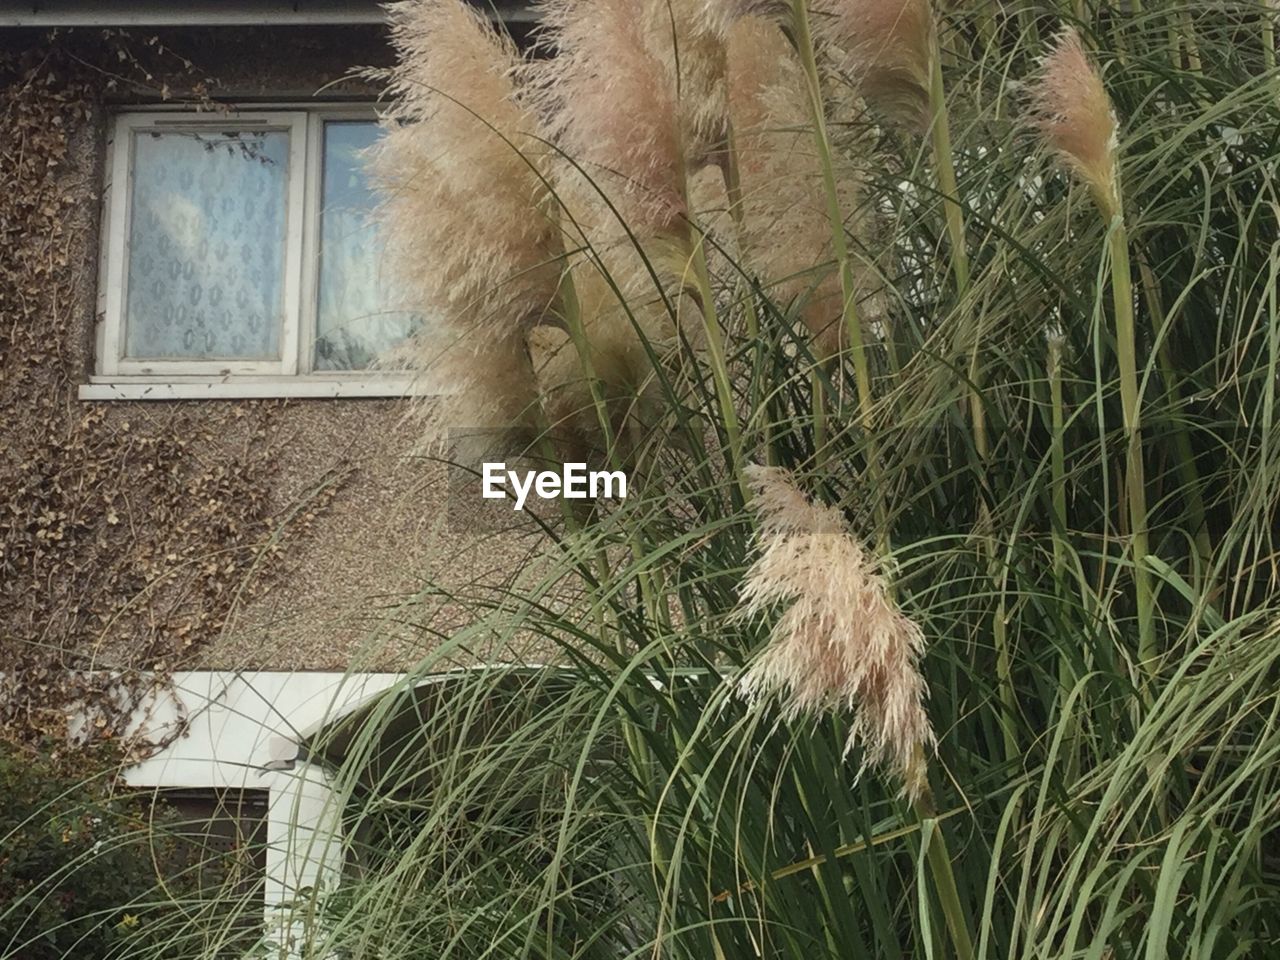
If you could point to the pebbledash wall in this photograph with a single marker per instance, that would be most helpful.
(244, 568)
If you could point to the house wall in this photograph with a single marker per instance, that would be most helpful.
(144, 537)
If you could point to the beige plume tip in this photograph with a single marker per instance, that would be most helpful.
(1072, 111)
(720, 15)
(464, 209)
(611, 107)
(886, 44)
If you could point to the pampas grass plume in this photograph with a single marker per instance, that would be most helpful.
(611, 108)
(465, 210)
(1073, 113)
(886, 46)
(694, 56)
(466, 213)
(786, 232)
(491, 409)
(841, 642)
(721, 15)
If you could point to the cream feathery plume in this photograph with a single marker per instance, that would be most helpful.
(617, 298)
(489, 410)
(624, 376)
(721, 15)
(694, 56)
(610, 106)
(841, 643)
(885, 45)
(465, 210)
(608, 95)
(1073, 113)
(786, 226)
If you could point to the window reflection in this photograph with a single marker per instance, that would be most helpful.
(355, 325)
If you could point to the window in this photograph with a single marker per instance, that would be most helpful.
(240, 259)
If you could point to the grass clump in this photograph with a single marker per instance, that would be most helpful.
(1008, 633)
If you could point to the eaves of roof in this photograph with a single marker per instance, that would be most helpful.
(125, 13)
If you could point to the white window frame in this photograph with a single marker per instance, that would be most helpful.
(118, 377)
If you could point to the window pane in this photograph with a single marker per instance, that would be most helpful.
(207, 245)
(356, 324)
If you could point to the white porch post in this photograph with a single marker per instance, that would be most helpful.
(304, 854)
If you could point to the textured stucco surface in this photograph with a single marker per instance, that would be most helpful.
(363, 589)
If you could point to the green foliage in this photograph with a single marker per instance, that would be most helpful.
(76, 861)
(92, 869)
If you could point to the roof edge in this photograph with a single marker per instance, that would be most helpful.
(197, 13)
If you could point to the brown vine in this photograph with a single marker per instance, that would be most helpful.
(126, 537)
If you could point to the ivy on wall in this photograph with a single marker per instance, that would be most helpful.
(128, 534)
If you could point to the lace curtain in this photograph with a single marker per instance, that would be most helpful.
(206, 245)
(207, 241)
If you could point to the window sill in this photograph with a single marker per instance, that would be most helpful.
(252, 388)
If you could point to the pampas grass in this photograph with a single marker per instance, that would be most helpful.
(786, 232)
(610, 105)
(842, 643)
(882, 45)
(721, 15)
(1073, 113)
(694, 56)
(469, 222)
(885, 46)
(717, 833)
(467, 216)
